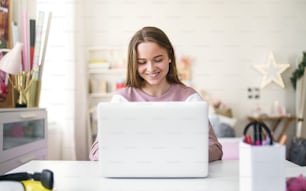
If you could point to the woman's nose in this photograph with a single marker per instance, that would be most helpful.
(150, 66)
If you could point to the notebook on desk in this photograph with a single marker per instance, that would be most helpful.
(153, 139)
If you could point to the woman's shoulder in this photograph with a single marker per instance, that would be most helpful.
(183, 89)
(181, 92)
(124, 91)
(130, 93)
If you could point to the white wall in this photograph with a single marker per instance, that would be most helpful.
(224, 38)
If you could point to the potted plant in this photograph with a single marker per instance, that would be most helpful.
(299, 71)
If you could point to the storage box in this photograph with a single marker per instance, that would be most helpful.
(262, 167)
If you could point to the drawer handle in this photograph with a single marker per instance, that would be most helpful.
(27, 115)
(26, 159)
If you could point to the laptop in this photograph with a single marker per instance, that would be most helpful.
(153, 139)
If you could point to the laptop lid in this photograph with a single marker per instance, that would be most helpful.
(153, 139)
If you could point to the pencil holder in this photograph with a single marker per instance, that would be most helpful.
(261, 166)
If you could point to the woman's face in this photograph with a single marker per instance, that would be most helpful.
(152, 63)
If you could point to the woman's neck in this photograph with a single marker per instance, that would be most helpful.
(156, 90)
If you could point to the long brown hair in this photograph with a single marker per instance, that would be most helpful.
(151, 34)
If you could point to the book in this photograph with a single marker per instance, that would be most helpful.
(25, 38)
(32, 41)
(45, 43)
(38, 39)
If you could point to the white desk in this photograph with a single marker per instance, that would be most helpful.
(83, 175)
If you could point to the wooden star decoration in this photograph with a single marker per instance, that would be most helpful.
(271, 72)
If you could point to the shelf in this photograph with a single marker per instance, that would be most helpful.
(105, 70)
(100, 95)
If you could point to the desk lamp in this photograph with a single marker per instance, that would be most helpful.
(11, 64)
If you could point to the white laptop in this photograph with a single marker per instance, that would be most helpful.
(153, 139)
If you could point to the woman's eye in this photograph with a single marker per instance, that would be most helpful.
(141, 62)
(158, 60)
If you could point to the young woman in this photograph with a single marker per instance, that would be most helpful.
(152, 76)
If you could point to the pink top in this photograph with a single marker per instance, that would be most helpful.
(176, 92)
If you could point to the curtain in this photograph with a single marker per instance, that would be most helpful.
(82, 134)
(58, 79)
(81, 116)
(301, 106)
(64, 85)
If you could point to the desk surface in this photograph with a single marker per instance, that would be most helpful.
(84, 175)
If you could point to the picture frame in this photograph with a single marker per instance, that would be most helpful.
(6, 90)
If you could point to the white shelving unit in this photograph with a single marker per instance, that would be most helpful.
(106, 70)
(103, 83)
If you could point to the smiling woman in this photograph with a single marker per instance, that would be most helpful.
(152, 77)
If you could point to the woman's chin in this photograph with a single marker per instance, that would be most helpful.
(153, 83)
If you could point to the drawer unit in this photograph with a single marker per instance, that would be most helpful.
(23, 136)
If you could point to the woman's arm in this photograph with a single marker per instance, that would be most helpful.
(215, 148)
(94, 149)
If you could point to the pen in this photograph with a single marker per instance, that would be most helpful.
(266, 141)
(248, 139)
(260, 135)
(283, 139)
(255, 133)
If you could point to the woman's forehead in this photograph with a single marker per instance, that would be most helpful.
(149, 49)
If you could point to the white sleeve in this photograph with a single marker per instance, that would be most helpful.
(194, 97)
(118, 98)
(197, 97)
